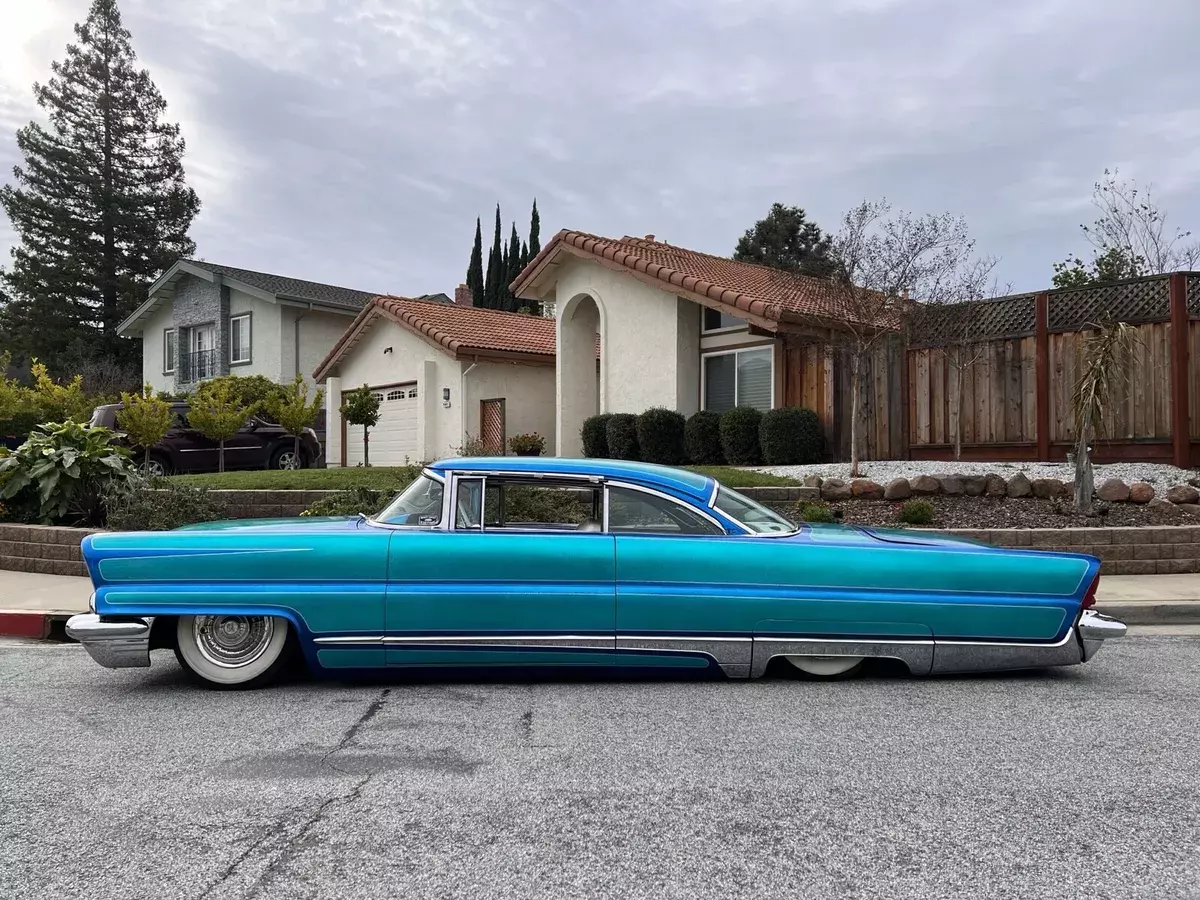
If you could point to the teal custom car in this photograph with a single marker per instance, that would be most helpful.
(553, 562)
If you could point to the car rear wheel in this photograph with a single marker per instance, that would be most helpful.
(286, 458)
(828, 667)
(226, 652)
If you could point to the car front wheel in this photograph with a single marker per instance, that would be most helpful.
(828, 667)
(226, 652)
(286, 458)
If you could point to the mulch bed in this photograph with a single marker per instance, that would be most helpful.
(985, 512)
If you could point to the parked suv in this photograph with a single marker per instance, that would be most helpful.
(261, 444)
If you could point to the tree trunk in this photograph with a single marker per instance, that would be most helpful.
(1084, 479)
(958, 403)
(296, 452)
(146, 465)
(221, 456)
(366, 447)
(854, 375)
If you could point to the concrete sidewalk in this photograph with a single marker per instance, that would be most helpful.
(31, 603)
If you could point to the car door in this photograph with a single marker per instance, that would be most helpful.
(494, 588)
(193, 452)
(249, 447)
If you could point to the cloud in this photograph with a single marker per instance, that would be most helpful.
(356, 141)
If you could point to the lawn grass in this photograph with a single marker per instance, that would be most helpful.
(387, 478)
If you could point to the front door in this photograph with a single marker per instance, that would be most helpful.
(523, 576)
(204, 352)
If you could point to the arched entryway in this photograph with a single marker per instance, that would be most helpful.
(580, 376)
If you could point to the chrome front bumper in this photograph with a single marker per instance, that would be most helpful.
(1094, 629)
(115, 645)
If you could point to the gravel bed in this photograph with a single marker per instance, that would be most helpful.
(1160, 475)
(987, 512)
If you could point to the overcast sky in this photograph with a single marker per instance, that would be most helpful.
(355, 141)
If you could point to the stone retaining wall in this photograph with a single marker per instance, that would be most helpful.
(47, 549)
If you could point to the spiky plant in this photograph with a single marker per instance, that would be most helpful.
(1106, 351)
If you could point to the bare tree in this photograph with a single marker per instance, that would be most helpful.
(1105, 353)
(881, 260)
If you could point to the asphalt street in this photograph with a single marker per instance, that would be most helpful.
(1080, 782)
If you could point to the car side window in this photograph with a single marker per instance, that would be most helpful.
(635, 512)
(542, 506)
(468, 504)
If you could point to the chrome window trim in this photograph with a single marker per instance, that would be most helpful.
(441, 526)
(459, 477)
(662, 496)
(750, 531)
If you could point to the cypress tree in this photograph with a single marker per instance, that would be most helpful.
(515, 265)
(525, 256)
(535, 233)
(100, 204)
(475, 268)
(494, 290)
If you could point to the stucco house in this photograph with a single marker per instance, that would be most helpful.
(443, 372)
(202, 319)
(683, 330)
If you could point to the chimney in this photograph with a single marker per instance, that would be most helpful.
(463, 297)
(650, 237)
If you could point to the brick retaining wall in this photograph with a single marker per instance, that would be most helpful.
(47, 549)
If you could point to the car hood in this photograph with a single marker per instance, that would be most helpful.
(297, 525)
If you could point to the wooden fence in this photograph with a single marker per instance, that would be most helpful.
(1012, 385)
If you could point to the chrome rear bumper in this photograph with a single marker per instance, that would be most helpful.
(1094, 629)
(115, 645)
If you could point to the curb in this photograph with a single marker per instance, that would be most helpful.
(1144, 612)
(36, 624)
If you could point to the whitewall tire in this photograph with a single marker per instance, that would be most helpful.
(232, 651)
(828, 667)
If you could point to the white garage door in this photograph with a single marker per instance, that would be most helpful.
(394, 439)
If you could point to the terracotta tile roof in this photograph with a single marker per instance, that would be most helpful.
(759, 291)
(459, 331)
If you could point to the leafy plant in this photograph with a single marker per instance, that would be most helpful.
(293, 411)
(141, 505)
(595, 436)
(814, 511)
(790, 436)
(620, 434)
(527, 444)
(57, 475)
(252, 389)
(473, 445)
(218, 413)
(916, 512)
(702, 439)
(739, 436)
(146, 419)
(349, 503)
(660, 436)
(56, 402)
(360, 406)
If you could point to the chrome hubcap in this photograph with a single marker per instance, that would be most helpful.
(287, 460)
(232, 641)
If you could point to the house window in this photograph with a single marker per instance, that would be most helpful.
(239, 340)
(739, 378)
(170, 349)
(715, 320)
(412, 393)
(395, 395)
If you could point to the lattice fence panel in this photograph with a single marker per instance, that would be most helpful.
(492, 427)
(985, 320)
(1193, 296)
(1147, 300)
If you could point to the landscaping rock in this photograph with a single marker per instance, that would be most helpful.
(1048, 488)
(950, 484)
(1018, 486)
(897, 489)
(1114, 490)
(995, 486)
(925, 485)
(1160, 503)
(1190, 508)
(1140, 492)
(1183, 493)
(974, 485)
(835, 489)
(812, 481)
(865, 489)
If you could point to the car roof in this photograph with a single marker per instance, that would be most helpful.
(681, 481)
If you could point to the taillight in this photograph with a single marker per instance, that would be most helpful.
(1089, 599)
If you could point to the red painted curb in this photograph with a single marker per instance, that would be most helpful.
(26, 625)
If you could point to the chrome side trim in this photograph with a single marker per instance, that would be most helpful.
(1095, 628)
(568, 641)
(114, 645)
(732, 654)
(984, 656)
(917, 655)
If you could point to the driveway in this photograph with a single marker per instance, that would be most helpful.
(1082, 782)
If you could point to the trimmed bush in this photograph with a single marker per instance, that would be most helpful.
(158, 506)
(660, 436)
(739, 436)
(702, 439)
(621, 436)
(814, 511)
(350, 503)
(594, 435)
(790, 436)
(916, 512)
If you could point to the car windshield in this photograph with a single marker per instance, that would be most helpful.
(418, 504)
(753, 515)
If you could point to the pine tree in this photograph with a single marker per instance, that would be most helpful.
(535, 233)
(475, 269)
(100, 204)
(494, 290)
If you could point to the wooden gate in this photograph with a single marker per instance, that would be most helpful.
(491, 426)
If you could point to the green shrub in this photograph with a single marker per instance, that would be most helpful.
(739, 436)
(252, 390)
(141, 505)
(814, 511)
(532, 444)
(620, 434)
(473, 445)
(702, 439)
(594, 435)
(350, 503)
(790, 436)
(57, 475)
(294, 412)
(660, 436)
(218, 412)
(145, 419)
(916, 512)
(360, 406)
